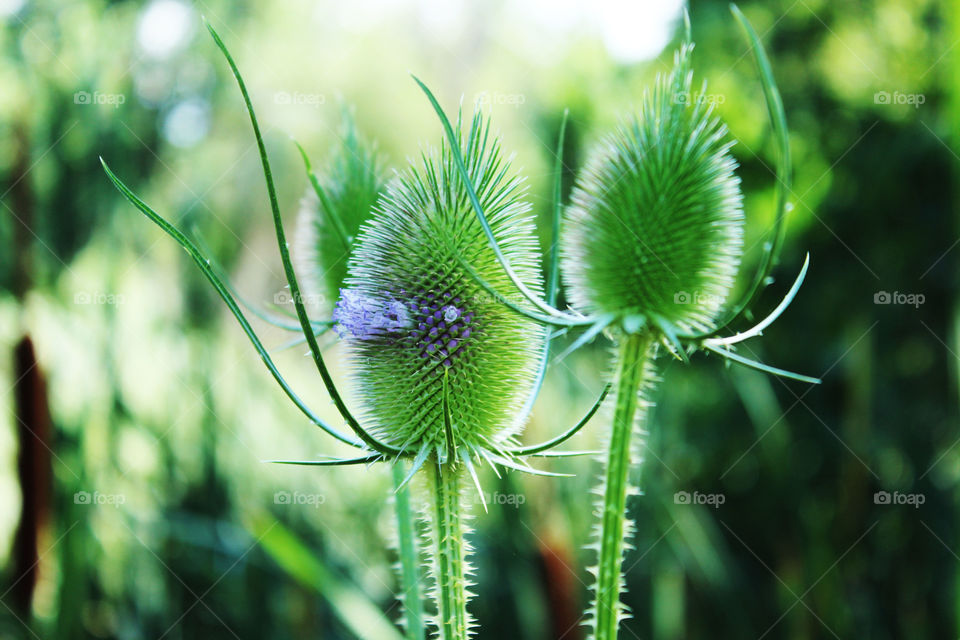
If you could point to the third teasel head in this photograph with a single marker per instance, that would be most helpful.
(654, 230)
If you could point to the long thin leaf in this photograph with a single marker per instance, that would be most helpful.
(478, 208)
(566, 321)
(758, 328)
(602, 323)
(333, 462)
(352, 607)
(204, 264)
(563, 437)
(328, 209)
(553, 266)
(250, 306)
(284, 248)
(778, 121)
(759, 366)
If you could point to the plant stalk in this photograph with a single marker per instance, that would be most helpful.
(411, 596)
(449, 549)
(635, 373)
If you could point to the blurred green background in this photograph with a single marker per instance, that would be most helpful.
(134, 415)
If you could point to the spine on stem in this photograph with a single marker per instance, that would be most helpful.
(449, 551)
(635, 378)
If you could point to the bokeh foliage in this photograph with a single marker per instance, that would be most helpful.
(156, 399)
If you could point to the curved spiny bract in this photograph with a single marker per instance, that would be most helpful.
(331, 213)
(655, 226)
(412, 315)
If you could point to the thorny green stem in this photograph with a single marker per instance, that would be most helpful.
(449, 550)
(635, 372)
(409, 560)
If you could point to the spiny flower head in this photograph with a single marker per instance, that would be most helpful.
(332, 211)
(418, 324)
(655, 226)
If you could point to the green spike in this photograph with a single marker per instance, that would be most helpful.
(204, 263)
(282, 244)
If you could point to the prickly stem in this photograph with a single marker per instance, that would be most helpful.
(634, 377)
(449, 550)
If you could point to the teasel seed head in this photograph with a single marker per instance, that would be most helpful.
(415, 320)
(655, 224)
(330, 217)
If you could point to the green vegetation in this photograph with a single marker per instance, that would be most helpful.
(135, 499)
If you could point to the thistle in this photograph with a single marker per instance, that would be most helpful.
(446, 374)
(651, 246)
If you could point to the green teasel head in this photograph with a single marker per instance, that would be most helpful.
(654, 230)
(334, 207)
(472, 371)
(438, 363)
(653, 237)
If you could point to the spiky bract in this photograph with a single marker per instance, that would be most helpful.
(415, 319)
(330, 220)
(655, 227)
